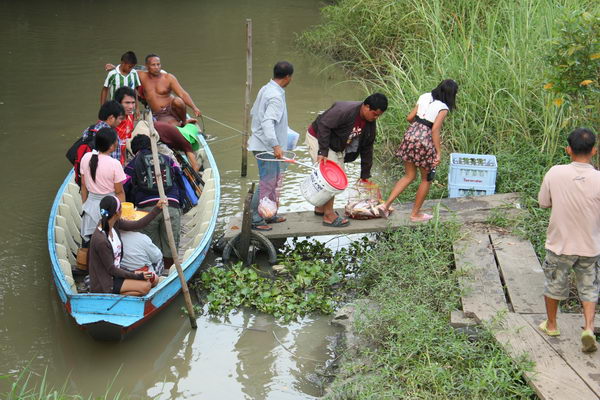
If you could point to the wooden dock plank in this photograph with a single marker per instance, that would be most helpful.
(552, 377)
(305, 223)
(522, 273)
(482, 293)
(568, 346)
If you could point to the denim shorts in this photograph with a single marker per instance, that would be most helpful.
(556, 270)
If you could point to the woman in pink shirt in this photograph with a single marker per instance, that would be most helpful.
(101, 175)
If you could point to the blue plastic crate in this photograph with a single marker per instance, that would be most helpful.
(466, 190)
(472, 170)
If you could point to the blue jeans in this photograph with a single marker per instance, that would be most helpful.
(270, 174)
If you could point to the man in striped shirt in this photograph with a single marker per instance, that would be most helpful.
(123, 75)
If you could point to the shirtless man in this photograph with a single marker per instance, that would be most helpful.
(158, 88)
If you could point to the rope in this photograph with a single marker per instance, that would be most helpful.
(224, 124)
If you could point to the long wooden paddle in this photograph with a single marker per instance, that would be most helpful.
(161, 190)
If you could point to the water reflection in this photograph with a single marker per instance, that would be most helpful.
(53, 53)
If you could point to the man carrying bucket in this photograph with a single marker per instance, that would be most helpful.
(270, 134)
(340, 134)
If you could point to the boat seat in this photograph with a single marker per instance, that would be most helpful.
(73, 190)
(209, 184)
(200, 235)
(62, 252)
(63, 238)
(71, 231)
(69, 211)
(70, 201)
(195, 230)
(207, 174)
(71, 283)
(187, 255)
(65, 267)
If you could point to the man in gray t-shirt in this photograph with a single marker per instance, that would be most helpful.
(139, 251)
(573, 236)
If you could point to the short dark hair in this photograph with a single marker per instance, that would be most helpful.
(581, 141)
(282, 69)
(122, 92)
(149, 56)
(377, 101)
(129, 58)
(111, 107)
(140, 142)
(446, 93)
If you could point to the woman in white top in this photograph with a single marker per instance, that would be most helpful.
(422, 146)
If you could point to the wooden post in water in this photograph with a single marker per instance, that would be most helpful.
(244, 244)
(161, 191)
(247, 98)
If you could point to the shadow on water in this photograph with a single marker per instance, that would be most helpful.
(52, 58)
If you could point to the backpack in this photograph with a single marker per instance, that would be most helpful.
(144, 173)
(81, 146)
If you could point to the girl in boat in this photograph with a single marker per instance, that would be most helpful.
(106, 252)
(101, 175)
(422, 146)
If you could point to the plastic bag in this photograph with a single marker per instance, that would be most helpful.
(267, 208)
(363, 198)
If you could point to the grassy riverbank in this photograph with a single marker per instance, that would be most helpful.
(497, 51)
(413, 353)
(501, 53)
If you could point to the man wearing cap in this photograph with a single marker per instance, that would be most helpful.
(270, 134)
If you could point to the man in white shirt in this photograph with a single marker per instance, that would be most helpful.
(573, 236)
(270, 133)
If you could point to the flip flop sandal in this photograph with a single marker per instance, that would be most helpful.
(588, 342)
(422, 218)
(262, 228)
(337, 223)
(276, 220)
(544, 328)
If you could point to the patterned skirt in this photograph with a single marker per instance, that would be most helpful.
(417, 146)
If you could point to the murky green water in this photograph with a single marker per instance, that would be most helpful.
(52, 54)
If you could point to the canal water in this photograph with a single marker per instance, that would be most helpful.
(52, 56)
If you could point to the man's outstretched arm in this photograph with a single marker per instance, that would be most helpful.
(179, 91)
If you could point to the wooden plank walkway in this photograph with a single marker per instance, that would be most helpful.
(522, 273)
(482, 293)
(561, 370)
(305, 223)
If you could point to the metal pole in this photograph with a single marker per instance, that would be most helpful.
(161, 190)
(247, 100)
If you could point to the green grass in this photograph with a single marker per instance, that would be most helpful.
(414, 352)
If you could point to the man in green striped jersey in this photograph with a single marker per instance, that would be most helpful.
(123, 75)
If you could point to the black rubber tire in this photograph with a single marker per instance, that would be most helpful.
(256, 238)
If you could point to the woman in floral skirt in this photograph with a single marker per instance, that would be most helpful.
(421, 147)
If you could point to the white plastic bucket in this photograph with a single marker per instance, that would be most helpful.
(325, 181)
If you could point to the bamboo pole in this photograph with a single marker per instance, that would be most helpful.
(244, 245)
(247, 99)
(161, 191)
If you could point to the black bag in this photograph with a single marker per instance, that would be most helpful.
(145, 177)
(89, 140)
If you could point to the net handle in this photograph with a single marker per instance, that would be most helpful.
(290, 160)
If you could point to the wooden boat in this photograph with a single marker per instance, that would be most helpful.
(111, 316)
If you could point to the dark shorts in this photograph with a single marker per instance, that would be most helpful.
(117, 285)
(167, 113)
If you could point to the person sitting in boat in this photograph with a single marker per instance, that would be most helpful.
(180, 139)
(141, 255)
(107, 249)
(101, 175)
(126, 97)
(111, 115)
(143, 189)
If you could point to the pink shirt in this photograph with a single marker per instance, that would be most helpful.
(108, 173)
(573, 192)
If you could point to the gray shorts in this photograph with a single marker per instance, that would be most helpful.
(557, 268)
(158, 233)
